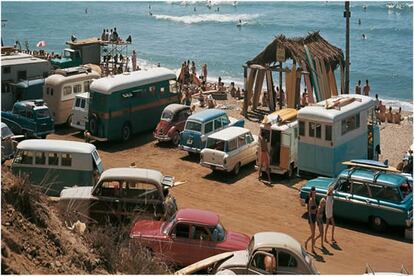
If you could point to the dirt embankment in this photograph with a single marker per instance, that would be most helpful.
(35, 240)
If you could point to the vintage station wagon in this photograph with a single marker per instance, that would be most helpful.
(229, 149)
(370, 195)
(202, 124)
(188, 237)
(120, 195)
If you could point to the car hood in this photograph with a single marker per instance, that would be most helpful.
(76, 193)
(146, 228)
(236, 241)
(199, 266)
(320, 183)
(239, 259)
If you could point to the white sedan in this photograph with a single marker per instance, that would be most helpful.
(229, 149)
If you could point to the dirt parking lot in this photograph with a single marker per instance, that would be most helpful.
(247, 205)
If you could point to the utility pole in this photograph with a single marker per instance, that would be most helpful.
(347, 15)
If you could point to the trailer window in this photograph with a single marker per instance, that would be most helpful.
(350, 123)
(318, 129)
(53, 159)
(27, 157)
(40, 158)
(77, 88)
(66, 159)
(312, 129)
(86, 86)
(83, 103)
(328, 133)
(67, 90)
(301, 128)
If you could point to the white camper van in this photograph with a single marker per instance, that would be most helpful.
(280, 129)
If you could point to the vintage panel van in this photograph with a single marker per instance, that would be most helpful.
(55, 164)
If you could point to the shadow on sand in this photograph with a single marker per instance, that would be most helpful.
(229, 177)
(393, 233)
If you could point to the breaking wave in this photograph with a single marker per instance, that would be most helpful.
(202, 2)
(201, 18)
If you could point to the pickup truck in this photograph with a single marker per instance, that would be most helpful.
(30, 118)
(202, 124)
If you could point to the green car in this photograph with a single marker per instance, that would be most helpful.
(376, 196)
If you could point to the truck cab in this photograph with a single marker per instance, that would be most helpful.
(70, 58)
(30, 118)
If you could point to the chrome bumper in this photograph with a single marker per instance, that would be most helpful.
(213, 166)
(190, 149)
(162, 138)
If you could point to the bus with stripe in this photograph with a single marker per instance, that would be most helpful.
(129, 103)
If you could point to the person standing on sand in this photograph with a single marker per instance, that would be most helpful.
(367, 89)
(319, 220)
(264, 156)
(134, 60)
(193, 68)
(329, 214)
(358, 88)
(312, 210)
(204, 72)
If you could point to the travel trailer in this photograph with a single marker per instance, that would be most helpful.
(61, 88)
(336, 130)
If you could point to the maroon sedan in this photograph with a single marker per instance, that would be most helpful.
(172, 123)
(189, 236)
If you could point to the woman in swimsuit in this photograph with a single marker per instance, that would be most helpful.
(319, 219)
(312, 210)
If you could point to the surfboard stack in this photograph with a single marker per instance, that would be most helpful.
(321, 77)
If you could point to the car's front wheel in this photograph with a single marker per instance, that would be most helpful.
(236, 169)
(378, 224)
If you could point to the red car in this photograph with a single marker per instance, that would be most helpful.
(172, 123)
(189, 236)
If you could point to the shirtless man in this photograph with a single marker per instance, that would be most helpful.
(264, 157)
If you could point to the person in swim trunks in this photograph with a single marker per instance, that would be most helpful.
(312, 210)
(264, 156)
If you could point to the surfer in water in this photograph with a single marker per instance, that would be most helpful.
(359, 21)
(364, 37)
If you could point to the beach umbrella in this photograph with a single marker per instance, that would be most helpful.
(41, 44)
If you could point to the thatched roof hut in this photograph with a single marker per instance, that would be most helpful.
(294, 49)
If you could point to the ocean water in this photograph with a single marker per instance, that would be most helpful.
(181, 30)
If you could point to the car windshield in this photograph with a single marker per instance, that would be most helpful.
(6, 132)
(194, 126)
(251, 246)
(218, 233)
(167, 115)
(42, 113)
(167, 225)
(215, 144)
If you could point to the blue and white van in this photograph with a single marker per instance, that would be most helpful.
(56, 164)
(336, 130)
(200, 125)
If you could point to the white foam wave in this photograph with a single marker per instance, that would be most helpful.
(203, 2)
(200, 18)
